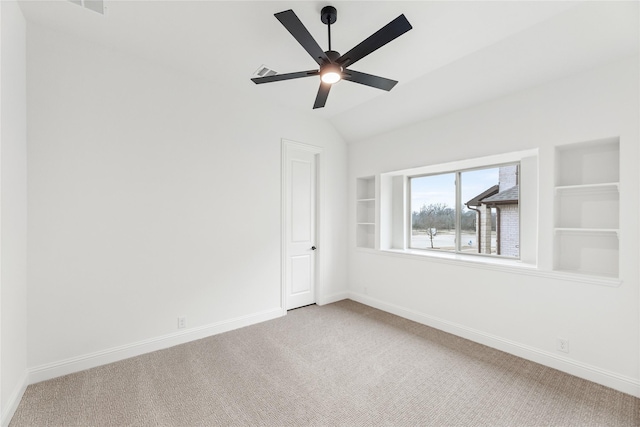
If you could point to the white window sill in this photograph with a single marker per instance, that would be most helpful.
(494, 263)
(457, 258)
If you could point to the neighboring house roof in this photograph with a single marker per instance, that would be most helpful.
(508, 196)
(492, 196)
(477, 201)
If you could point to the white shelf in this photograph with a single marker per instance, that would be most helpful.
(592, 206)
(366, 212)
(587, 230)
(587, 209)
(587, 253)
(366, 188)
(592, 162)
(365, 236)
(603, 186)
(585, 274)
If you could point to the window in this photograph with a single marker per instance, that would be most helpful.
(473, 211)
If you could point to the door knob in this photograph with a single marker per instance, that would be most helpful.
(313, 248)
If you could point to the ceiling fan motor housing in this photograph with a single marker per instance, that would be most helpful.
(332, 55)
(328, 15)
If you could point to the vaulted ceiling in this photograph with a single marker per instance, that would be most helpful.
(458, 53)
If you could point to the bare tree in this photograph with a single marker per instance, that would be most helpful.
(433, 216)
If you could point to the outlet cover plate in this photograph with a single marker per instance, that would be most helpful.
(562, 345)
(182, 322)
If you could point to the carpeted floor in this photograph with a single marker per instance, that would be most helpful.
(343, 364)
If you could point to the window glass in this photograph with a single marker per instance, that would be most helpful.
(478, 220)
(488, 201)
(433, 212)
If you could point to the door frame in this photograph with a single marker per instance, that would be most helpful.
(286, 145)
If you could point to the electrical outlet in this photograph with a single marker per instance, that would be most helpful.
(563, 345)
(182, 322)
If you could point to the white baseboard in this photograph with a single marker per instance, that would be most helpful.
(52, 370)
(591, 373)
(328, 299)
(103, 357)
(14, 400)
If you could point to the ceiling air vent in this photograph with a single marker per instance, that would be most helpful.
(94, 5)
(264, 71)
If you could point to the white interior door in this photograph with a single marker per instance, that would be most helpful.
(300, 208)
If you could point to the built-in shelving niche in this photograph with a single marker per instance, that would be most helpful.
(366, 212)
(587, 208)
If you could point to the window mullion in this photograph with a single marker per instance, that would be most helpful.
(458, 209)
(409, 213)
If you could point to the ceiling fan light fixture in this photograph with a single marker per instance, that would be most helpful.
(331, 73)
(331, 77)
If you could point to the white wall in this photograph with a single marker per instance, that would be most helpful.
(520, 313)
(13, 209)
(153, 195)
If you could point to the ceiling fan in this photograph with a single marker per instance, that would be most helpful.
(333, 66)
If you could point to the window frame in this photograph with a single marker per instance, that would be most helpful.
(457, 173)
(409, 220)
(391, 208)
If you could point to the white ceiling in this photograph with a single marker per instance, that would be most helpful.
(458, 53)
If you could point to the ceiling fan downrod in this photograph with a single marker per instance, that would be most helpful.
(328, 16)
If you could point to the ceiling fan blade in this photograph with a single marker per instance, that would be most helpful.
(323, 93)
(291, 22)
(369, 80)
(384, 35)
(288, 76)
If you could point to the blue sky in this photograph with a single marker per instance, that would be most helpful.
(441, 188)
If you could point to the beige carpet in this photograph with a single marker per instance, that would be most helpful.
(344, 364)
